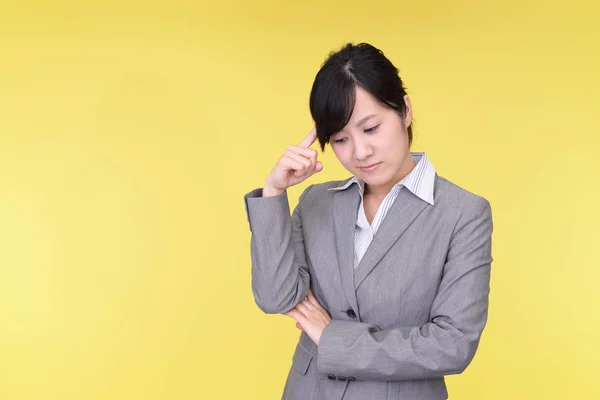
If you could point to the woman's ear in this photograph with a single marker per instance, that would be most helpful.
(408, 112)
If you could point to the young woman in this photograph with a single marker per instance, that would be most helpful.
(386, 273)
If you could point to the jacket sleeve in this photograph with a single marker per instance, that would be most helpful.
(443, 346)
(280, 277)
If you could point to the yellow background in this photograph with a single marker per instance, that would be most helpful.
(129, 132)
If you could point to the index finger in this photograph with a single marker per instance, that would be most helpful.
(310, 139)
(312, 299)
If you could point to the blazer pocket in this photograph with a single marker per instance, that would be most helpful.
(301, 360)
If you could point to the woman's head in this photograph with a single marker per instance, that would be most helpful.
(360, 107)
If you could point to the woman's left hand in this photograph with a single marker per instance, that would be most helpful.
(310, 317)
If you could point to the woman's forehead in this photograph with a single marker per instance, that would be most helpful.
(365, 105)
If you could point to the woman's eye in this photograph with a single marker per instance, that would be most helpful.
(342, 140)
(372, 129)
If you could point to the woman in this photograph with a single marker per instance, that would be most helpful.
(386, 273)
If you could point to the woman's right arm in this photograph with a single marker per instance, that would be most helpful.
(280, 278)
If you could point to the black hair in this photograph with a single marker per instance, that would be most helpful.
(333, 92)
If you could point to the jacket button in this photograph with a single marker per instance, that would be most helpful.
(351, 313)
(331, 377)
(351, 378)
(342, 378)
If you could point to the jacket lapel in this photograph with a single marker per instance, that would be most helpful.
(345, 208)
(405, 209)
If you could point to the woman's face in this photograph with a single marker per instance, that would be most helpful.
(374, 144)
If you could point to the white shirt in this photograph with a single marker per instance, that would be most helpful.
(420, 181)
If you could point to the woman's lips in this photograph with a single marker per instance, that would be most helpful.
(370, 168)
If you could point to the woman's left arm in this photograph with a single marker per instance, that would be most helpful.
(445, 345)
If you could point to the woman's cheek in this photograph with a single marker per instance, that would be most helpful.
(343, 154)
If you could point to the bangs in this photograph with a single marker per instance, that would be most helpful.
(332, 101)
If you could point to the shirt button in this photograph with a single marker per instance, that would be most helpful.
(331, 377)
(351, 313)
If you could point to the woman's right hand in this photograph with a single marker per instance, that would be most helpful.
(295, 166)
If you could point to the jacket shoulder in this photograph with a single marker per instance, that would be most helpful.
(319, 192)
(449, 194)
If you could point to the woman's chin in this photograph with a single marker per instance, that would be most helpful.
(374, 180)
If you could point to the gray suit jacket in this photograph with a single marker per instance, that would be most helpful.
(413, 310)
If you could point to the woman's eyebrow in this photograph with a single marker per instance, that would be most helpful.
(365, 119)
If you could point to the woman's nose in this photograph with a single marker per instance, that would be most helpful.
(362, 150)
